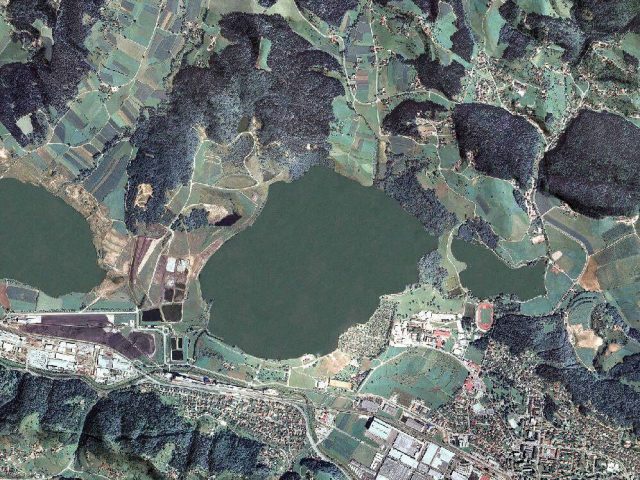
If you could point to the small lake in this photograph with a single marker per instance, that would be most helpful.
(315, 262)
(487, 275)
(44, 242)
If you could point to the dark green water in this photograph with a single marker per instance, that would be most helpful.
(44, 242)
(487, 275)
(315, 262)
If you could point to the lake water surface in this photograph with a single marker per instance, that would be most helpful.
(315, 262)
(487, 275)
(44, 242)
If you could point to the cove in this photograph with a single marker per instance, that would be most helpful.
(315, 262)
(487, 275)
(44, 242)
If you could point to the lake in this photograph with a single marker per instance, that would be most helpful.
(487, 275)
(44, 242)
(315, 262)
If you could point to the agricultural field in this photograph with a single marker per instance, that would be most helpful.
(429, 376)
